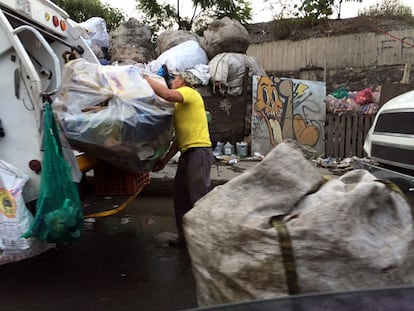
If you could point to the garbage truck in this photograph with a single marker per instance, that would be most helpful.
(390, 143)
(58, 102)
(37, 38)
(106, 113)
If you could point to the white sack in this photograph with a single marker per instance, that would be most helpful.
(351, 233)
(181, 57)
(15, 218)
(228, 70)
(98, 33)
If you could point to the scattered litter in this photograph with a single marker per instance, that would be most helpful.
(341, 166)
(89, 224)
(125, 220)
(232, 161)
(342, 101)
(258, 155)
(147, 221)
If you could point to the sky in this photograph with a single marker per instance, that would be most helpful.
(261, 9)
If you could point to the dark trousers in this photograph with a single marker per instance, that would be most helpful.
(192, 181)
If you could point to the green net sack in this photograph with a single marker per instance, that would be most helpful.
(59, 216)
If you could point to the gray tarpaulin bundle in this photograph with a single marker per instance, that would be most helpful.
(281, 228)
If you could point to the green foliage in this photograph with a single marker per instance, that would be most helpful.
(82, 10)
(388, 8)
(157, 16)
(168, 17)
(313, 10)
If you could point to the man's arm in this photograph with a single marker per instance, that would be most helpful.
(161, 90)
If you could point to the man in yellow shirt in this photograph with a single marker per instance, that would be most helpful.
(192, 139)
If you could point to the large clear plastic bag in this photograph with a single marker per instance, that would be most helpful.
(113, 114)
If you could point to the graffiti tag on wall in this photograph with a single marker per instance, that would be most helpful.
(287, 108)
(405, 44)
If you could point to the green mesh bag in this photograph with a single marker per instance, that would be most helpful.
(59, 216)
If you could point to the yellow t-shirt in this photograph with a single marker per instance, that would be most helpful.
(190, 121)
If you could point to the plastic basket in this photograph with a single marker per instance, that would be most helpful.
(110, 180)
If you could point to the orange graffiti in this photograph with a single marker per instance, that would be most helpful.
(274, 104)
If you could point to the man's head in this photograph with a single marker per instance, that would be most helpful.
(183, 78)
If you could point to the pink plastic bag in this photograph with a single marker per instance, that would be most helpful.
(364, 96)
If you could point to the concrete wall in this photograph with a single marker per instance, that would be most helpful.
(354, 50)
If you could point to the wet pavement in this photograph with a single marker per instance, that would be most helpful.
(121, 263)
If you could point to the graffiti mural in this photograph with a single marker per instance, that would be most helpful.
(287, 108)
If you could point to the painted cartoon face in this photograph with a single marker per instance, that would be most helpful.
(268, 101)
(276, 99)
(7, 204)
(269, 107)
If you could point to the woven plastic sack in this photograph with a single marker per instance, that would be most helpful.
(15, 218)
(59, 217)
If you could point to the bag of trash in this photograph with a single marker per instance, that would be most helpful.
(15, 218)
(113, 114)
(364, 96)
(170, 38)
(225, 35)
(227, 71)
(181, 57)
(59, 216)
(280, 228)
(131, 42)
(340, 92)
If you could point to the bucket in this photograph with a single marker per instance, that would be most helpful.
(241, 149)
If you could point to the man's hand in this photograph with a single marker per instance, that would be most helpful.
(159, 165)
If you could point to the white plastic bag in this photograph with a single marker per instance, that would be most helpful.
(15, 218)
(181, 57)
(96, 28)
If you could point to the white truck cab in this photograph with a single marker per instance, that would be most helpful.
(35, 36)
(390, 142)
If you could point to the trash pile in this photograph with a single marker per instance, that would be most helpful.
(218, 57)
(343, 101)
(341, 166)
(281, 228)
(111, 113)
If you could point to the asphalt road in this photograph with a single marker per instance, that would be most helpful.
(121, 263)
